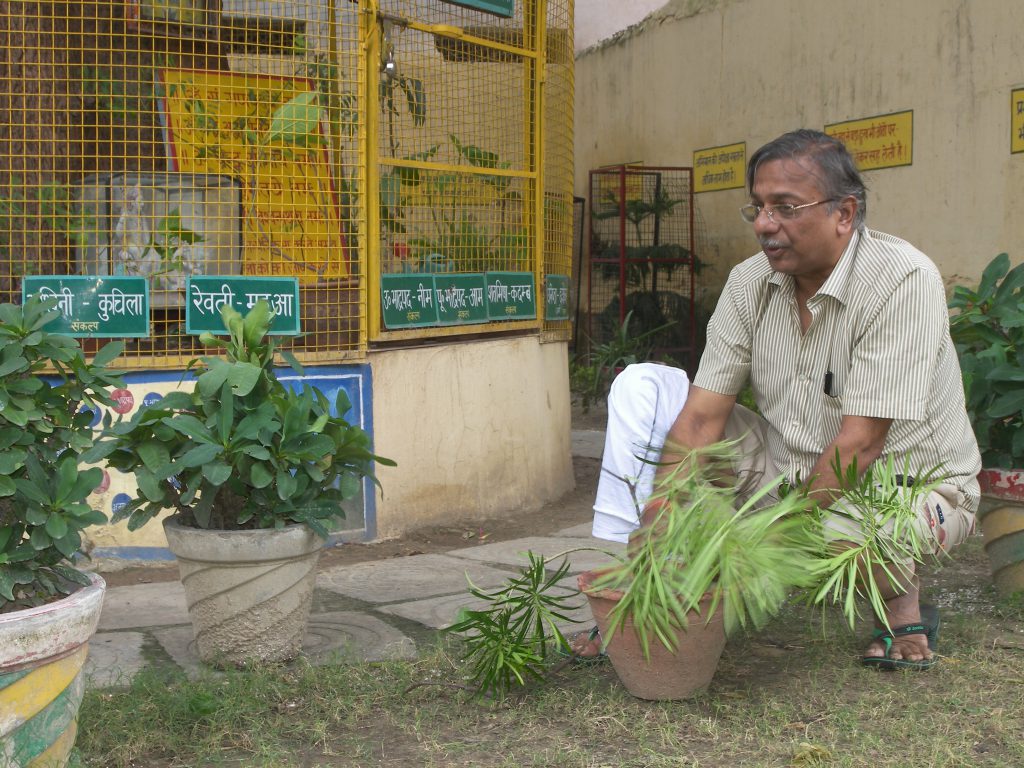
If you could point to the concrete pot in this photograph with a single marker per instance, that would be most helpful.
(667, 675)
(248, 592)
(42, 652)
(1001, 516)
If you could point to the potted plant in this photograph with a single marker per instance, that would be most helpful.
(988, 331)
(254, 473)
(48, 608)
(699, 568)
(703, 566)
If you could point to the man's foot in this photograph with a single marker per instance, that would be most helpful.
(909, 640)
(901, 611)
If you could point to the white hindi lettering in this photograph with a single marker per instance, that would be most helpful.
(497, 292)
(520, 293)
(398, 299)
(423, 295)
(252, 299)
(117, 302)
(282, 304)
(65, 299)
(211, 301)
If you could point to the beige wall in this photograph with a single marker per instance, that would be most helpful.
(478, 430)
(703, 73)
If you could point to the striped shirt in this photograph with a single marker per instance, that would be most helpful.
(878, 345)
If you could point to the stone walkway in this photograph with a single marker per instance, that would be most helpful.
(368, 611)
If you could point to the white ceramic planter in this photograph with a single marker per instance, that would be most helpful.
(249, 593)
(42, 652)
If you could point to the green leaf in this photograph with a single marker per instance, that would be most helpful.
(286, 485)
(108, 353)
(153, 488)
(260, 476)
(198, 456)
(243, 377)
(226, 417)
(153, 454)
(217, 472)
(56, 526)
(295, 121)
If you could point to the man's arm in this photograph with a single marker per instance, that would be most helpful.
(860, 437)
(699, 424)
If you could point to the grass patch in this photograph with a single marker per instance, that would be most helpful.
(792, 694)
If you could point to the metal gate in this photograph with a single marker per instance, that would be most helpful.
(331, 141)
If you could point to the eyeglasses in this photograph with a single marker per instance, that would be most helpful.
(787, 211)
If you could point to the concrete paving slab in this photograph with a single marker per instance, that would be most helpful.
(514, 552)
(405, 578)
(332, 638)
(441, 612)
(114, 658)
(144, 605)
(588, 443)
(580, 531)
(353, 636)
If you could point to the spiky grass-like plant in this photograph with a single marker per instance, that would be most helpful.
(882, 503)
(509, 640)
(748, 558)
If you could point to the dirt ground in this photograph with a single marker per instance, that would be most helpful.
(573, 508)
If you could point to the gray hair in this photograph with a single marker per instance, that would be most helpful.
(837, 172)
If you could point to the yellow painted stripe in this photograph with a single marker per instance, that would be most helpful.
(1001, 522)
(25, 698)
(56, 755)
(1010, 580)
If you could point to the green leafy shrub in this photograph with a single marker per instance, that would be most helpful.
(241, 451)
(44, 430)
(988, 331)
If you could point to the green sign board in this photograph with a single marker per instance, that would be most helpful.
(94, 306)
(460, 299)
(408, 300)
(207, 294)
(510, 296)
(556, 297)
(498, 7)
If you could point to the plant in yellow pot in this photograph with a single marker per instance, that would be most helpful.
(48, 608)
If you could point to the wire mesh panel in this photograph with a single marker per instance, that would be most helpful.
(642, 260)
(462, 172)
(453, 142)
(558, 171)
(167, 140)
(235, 138)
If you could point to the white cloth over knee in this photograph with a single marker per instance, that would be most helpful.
(643, 403)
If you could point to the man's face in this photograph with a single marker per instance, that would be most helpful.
(810, 244)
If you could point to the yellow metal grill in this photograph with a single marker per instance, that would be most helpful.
(327, 140)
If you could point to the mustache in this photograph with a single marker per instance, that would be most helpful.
(767, 242)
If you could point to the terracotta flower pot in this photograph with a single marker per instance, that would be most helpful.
(677, 674)
(249, 593)
(1001, 516)
(42, 652)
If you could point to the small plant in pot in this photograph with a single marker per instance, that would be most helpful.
(713, 557)
(988, 331)
(254, 473)
(48, 608)
(699, 568)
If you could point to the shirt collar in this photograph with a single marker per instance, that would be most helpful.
(837, 283)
